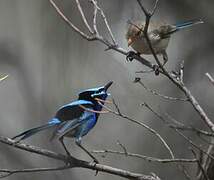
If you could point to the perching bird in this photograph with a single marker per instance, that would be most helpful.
(158, 33)
(75, 119)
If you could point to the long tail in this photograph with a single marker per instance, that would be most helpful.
(35, 130)
(187, 24)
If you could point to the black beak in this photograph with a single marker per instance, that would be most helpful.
(108, 85)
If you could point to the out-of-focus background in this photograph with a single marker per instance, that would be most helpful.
(49, 64)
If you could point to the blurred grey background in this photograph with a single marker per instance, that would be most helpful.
(49, 64)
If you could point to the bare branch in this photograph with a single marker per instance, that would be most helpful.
(144, 71)
(185, 172)
(184, 127)
(73, 162)
(4, 77)
(198, 108)
(138, 80)
(181, 71)
(181, 134)
(154, 8)
(83, 17)
(148, 16)
(7, 172)
(200, 166)
(193, 144)
(105, 21)
(210, 78)
(143, 9)
(147, 158)
(95, 20)
(118, 113)
(76, 29)
(207, 162)
(123, 147)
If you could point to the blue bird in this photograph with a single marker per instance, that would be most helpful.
(75, 119)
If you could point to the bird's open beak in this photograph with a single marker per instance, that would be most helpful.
(130, 41)
(108, 85)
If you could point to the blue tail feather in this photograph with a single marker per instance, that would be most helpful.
(187, 24)
(30, 132)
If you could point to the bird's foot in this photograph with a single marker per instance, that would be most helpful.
(156, 69)
(95, 161)
(130, 55)
(69, 158)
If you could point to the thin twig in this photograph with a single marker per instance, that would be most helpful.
(190, 128)
(179, 125)
(148, 16)
(181, 71)
(118, 113)
(83, 16)
(4, 77)
(181, 134)
(95, 20)
(193, 144)
(207, 162)
(200, 166)
(210, 78)
(73, 162)
(143, 9)
(185, 172)
(144, 71)
(147, 158)
(154, 8)
(7, 172)
(158, 94)
(184, 127)
(76, 29)
(105, 21)
(123, 147)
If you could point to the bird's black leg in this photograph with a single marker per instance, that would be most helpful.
(165, 57)
(84, 149)
(156, 69)
(130, 55)
(63, 144)
(78, 142)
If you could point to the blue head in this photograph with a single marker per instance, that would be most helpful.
(94, 94)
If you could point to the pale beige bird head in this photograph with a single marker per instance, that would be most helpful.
(134, 31)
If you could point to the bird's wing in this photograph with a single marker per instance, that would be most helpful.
(64, 127)
(166, 30)
(70, 116)
(72, 110)
(154, 36)
(69, 125)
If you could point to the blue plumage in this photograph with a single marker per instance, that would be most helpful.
(72, 120)
(187, 24)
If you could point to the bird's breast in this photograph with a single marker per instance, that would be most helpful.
(140, 45)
